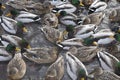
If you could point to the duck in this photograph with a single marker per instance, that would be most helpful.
(109, 62)
(12, 26)
(80, 31)
(99, 74)
(57, 2)
(23, 16)
(114, 15)
(56, 70)
(97, 6)
(66, 18)
(53, 35)
(15, 40)
(104, 37)
(94, 18)
(68, 7)
(41, 55)
(7, 52)
(85, 53)
(75, 67)
(19, 5)
(78, 42)
(39, 8)
(16, 68)
(84, 31)
(50, 19)
(4, 55)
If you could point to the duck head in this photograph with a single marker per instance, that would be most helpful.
(117, 68)
(24, 44)
(21, 26)
(77, 2)
(12, 48)
(82, 75)
(12, 13)
(90, 41)
(117, 37)
(70, 30)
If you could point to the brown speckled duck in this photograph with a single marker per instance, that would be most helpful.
(56, 70)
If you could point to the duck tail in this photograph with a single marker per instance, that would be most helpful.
(37, 18)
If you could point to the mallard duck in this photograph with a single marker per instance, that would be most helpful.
(80, 31)
(7, 52)
(114, 15)
(57, 2)
(68, 19)
(19, 42)
(11, 26)
(97, 6)
(104, 37)
(50, 19)
(56, 70)
(4, 55)
(41, 55)
(109, 62)
(39, 8)
(16, 68)
(74, 66)
(66, 7)
(94, 18)
(21, 4)
(53, 35)
(85, 53)
(66, 44)
(23, 16)
(84, 31)
(100, 74)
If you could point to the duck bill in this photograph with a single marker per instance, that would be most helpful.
(28, 47)
(17, 49)
(3, 7)
(118, 31)
(81, 4)
(82, 79)
(9, 14)
(24, 29)
(95, 43)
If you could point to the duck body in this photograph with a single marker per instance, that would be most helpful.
(97, 6)
(73, 65)
(16, 68)
(84, 31)
(26, 17)
(41, 55)
(53, 35)
(8, 24)
(107, 61)
(100, 74)
(4, 55)
(104, 37)
(66, 7)
(20, 5)
(94, 18)
(69, 19)
(84, 54)
(56, 70)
